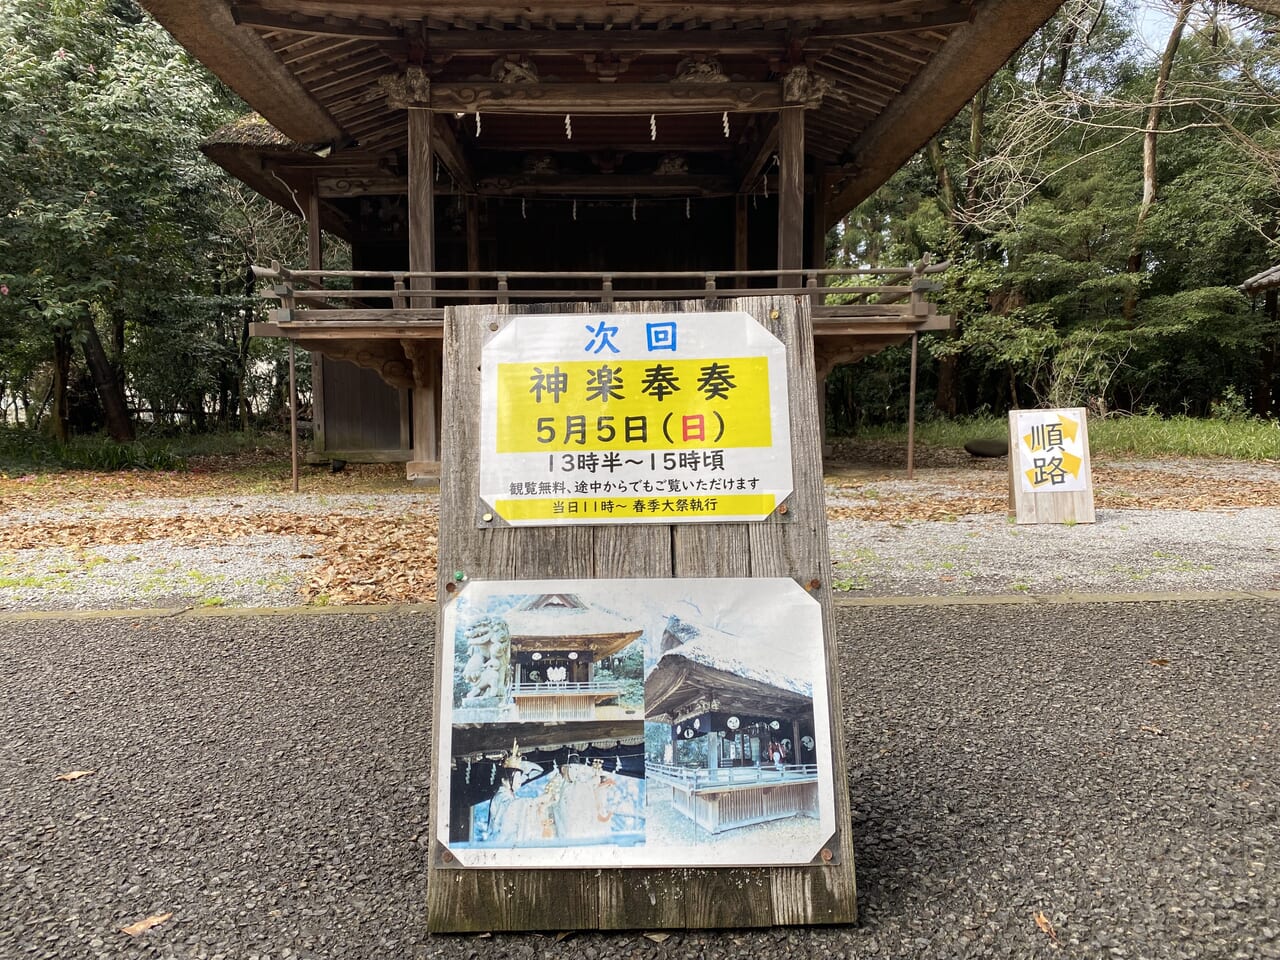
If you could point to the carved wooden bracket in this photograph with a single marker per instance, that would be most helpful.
(385, 358)
(421, 357)
(612, 98)
(803, 88)
(826, 358)
(407, 90)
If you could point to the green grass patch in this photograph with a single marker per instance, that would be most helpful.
(1145, 435)
(24, 451)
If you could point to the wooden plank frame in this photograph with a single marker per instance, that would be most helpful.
(1074, 506)
(791, 543)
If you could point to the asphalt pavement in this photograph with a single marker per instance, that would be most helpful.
(1109, 769)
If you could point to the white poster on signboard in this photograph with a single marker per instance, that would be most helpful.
(1051, 449)
(634, 418)
(634, 723)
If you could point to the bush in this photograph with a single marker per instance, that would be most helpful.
(29, 451)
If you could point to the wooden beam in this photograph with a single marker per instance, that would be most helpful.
(321, 48)
(453, 156)
(553, 141)
(885, 26)
(756, 166)
(607, 184)
(974, 52)
(818, 222)
(544, 42)
(608, 98)
(358, 29)
(790, 192)
(248, 65)
(361, 186)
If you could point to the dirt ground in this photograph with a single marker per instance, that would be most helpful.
(230, 533)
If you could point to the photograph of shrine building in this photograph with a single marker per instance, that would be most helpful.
(551, 657)
(730, 735)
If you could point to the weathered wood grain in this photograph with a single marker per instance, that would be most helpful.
(789, 545)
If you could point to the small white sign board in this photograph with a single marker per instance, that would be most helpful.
(633, 418)
(1051, 480)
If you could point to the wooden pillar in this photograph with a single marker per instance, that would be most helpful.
(315, 240)
(473, 239)
(425, 357)
(422, 214)
(790, 193)
(818, 228)
(911, 410)
(425, 463)
(818, 260)
(741, 234)
(315, 261)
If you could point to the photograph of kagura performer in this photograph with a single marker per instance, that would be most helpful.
(567, 797)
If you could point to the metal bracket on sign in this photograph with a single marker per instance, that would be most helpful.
(487, 517)
(829, 855)
(495, 324)
(782, 513)
(442, 857)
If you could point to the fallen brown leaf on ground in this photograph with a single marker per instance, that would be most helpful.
(142, 926)
(363, 559)
(1046, 927)
(74, 775)
(391, 558)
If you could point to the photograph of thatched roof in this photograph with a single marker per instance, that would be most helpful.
(714, 670)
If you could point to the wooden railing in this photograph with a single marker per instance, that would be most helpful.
(353, 296)
(550, 688)
(696, 778)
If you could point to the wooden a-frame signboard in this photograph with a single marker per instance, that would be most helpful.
(568, 795)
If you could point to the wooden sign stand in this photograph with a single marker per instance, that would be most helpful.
(791, 543)
(1048, 504)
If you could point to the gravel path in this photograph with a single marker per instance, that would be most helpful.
(263, 570)
(264, 778)
(1127, 550)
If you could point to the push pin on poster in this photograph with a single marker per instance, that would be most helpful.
(1050, 476)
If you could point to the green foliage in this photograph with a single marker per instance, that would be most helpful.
(112, 217)
(25, 451)
(1063, 295)
(1231, 433)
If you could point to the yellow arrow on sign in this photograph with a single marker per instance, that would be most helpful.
(1069, 463)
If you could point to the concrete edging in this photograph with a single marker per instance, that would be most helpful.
(973, 600)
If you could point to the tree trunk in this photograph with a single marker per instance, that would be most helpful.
(119, 424)
(1150, 184)
(947, 392)
(977, 117)
(61, 375)
(117, 347)
(946, 187)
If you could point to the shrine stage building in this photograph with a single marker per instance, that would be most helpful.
(498, 152)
